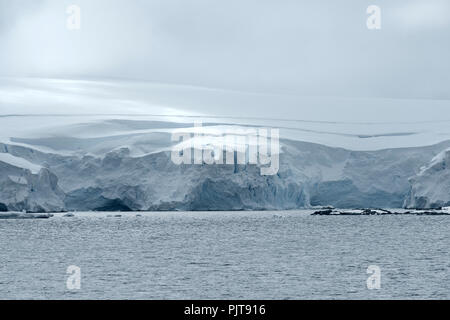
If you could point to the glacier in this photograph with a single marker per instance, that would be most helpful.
(20, 190)
(107, 176)
(430, 188)
(113, 152)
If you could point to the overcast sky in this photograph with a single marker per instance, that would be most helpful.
(310, 48)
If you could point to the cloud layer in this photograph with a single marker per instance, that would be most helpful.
(296, 47)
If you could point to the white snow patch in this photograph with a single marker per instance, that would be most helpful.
(19, 163)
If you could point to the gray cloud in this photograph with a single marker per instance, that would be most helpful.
(300, 47)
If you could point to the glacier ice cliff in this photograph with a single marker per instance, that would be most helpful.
(20, 190)
(116, 179)
(430, 188)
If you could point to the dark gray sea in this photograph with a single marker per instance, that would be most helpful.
(225, 255)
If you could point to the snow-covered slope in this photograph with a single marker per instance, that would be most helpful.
(105, 145)
(309, 175)
(351, 123)
(19, 162)
(431, 187)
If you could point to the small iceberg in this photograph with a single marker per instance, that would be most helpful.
(69, 215)
(24, 215)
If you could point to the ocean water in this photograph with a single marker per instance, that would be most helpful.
(225, 255)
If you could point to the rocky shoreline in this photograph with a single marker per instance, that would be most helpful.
(372, 212)
(24, 215)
